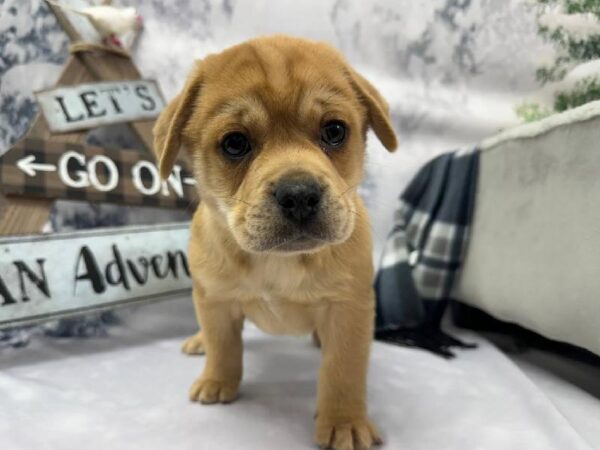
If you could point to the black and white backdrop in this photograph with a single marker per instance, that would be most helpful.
(453, 70)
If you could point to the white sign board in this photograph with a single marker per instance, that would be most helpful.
(84, 106)
(46, 276)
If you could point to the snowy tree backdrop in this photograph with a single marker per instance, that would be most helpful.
(452, 70)
(572, 77)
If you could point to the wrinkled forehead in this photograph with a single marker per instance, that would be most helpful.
(269, 80)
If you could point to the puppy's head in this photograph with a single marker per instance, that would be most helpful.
(276, 130)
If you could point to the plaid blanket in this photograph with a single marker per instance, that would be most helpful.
(423, 253)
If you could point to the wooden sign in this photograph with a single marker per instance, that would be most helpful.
(58, 275)
(47, 169)
(99, 83)
(88, 105)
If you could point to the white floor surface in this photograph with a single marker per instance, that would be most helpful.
(129, 391)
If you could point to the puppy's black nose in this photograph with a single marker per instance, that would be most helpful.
(298, 199)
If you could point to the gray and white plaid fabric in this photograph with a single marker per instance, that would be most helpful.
(424, 251)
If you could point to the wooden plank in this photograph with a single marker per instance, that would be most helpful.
(51, 169)
(63, 274)
(23, 216)
(26, 216)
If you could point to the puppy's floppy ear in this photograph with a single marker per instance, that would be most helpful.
(171, 121)
(378, 110)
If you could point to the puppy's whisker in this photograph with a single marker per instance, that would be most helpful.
(191, 206)
(383, 203)
(373, 163)
(348, 190)
(238, 200)
(356, 213)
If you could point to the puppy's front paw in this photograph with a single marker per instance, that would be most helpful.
(208, 391)
(358, 434)
(193, 345)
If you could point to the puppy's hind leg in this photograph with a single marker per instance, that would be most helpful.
(194, 345)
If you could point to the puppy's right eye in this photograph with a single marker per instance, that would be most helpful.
(235, 145)
(333, 134)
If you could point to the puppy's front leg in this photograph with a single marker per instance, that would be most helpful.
(346, 332)
(221, 324)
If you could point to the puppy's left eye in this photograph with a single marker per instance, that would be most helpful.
(235, 145)
(333, 133)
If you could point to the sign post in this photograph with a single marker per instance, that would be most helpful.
(97, 87)
(56, 275)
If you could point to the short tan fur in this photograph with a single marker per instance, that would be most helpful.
(247, 260)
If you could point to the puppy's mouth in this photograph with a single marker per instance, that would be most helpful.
(299, 243)
(272, 234)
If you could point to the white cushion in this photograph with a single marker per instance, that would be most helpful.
(534, 253)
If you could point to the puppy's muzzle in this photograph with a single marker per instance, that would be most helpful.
(298, 199)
